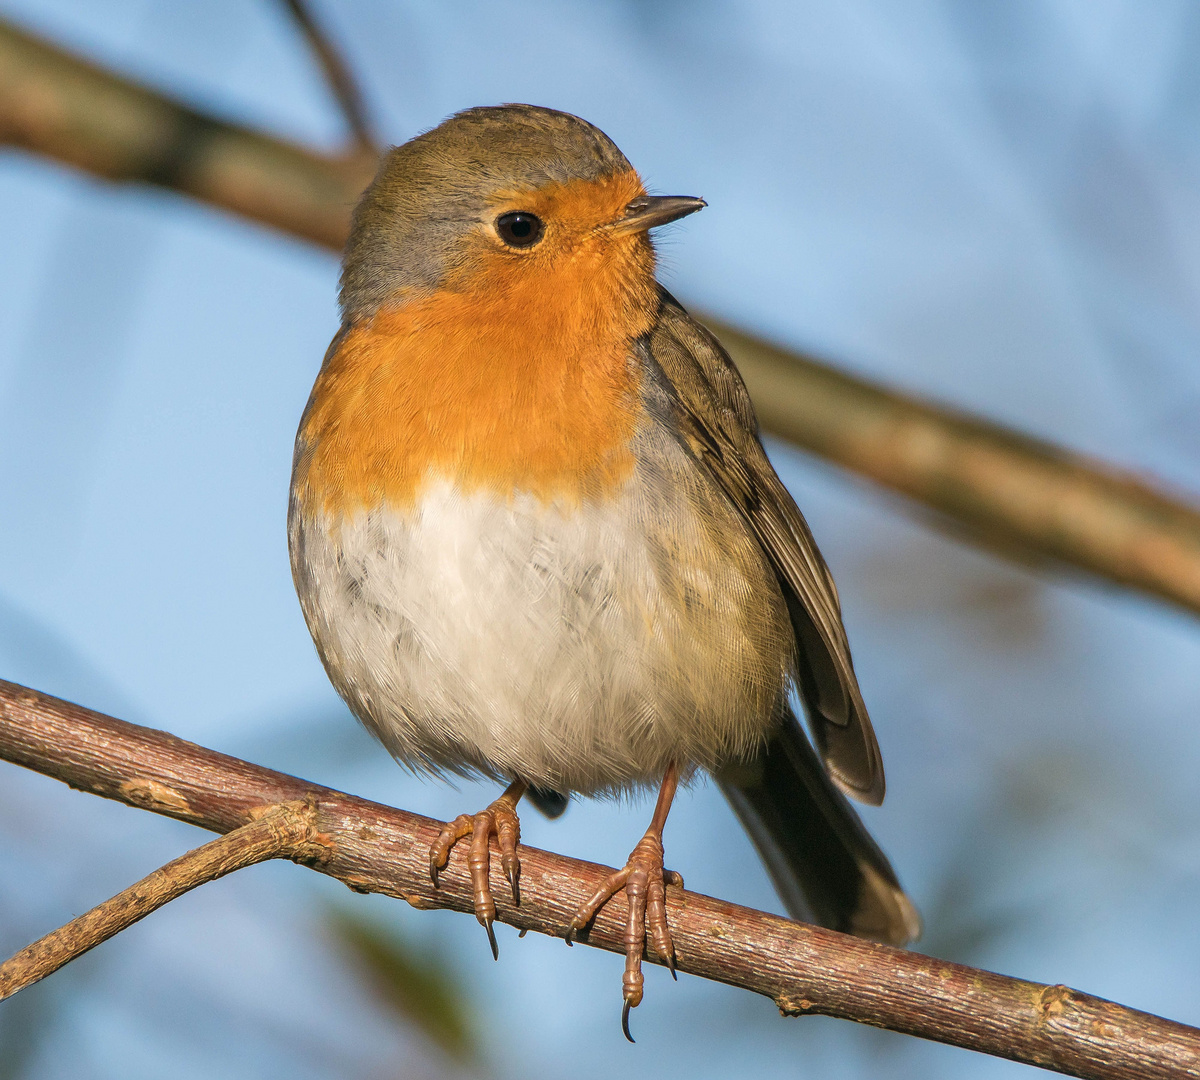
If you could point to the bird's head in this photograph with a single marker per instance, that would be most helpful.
(511, 202)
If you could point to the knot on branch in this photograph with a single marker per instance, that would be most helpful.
(294, 827)
(153, 795)
(1052, 1001)
(791, 1005)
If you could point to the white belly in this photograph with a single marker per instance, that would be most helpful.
(582, 650)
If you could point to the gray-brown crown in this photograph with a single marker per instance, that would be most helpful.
(428, 193)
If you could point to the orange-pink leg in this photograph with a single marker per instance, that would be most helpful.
(499, 820)
(644, 881)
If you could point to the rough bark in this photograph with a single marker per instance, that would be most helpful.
(803, 969)
(284, 831)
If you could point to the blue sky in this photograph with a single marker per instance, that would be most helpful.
(996, 205)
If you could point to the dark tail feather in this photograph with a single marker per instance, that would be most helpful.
(550, 803)
(824, 864)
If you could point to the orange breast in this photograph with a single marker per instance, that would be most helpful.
(514, 377)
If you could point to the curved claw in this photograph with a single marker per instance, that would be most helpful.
(512, 871)
(644, 882)
(439, 850)
(508, 835)
(672, 877)
(499, 820)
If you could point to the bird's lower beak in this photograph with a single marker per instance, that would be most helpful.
(647, 211)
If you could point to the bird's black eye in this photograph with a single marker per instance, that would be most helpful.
(519, 229)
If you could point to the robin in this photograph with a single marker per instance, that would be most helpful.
(535, 535)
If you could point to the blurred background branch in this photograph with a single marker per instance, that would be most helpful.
(1020, 496)
(55, 104)
(374, 848)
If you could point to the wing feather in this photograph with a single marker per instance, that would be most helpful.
(719, 427)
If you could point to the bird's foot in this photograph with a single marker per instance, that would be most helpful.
(499, 820)
(644, 880)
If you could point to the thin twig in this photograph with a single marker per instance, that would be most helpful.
(286, 831)
(337, 75)
(1013, 494)
(803, 969)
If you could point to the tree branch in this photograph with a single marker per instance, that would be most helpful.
(804, 969)
(337, 76)
(55, 104)
(286, 831)
(1014, 494)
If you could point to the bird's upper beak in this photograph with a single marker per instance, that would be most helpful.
(646, 211)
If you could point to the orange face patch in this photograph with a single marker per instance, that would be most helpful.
(513, 377)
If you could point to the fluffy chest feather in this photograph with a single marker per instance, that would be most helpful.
(582, 648)
(507, 564)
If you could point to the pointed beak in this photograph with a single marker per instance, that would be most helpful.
(647, 211)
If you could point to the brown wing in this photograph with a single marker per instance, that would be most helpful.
(721, 430)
